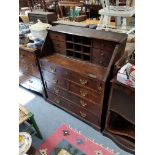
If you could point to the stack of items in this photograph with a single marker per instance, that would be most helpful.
(126, 75)
(32, 35)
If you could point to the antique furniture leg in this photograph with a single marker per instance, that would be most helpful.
(34, 124)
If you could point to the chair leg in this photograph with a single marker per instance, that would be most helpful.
(33, 122)
(100, 24)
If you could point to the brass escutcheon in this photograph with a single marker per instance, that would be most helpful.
(56, 100)
(83, 103)
(83, 93)
(83, 114)
(56, 90)
(83, 82)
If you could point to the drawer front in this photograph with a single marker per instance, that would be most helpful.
(30, 69)
(56, 90)
(59, 44)
(103, 44)
(84, 114)
(30, 82)
(54, 80)
(94, 84)
(52, 68)
(75, 109)
(58, 100)
(97, 43)
(57, 36)
(90, 106)
(85, 93)
(27, 57)
(101, 57)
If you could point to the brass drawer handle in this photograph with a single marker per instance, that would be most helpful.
(57, 100)
(56, 90)
(30, 81)
(83, 93)
(83, 103)
(53, 70)
(100, 88)
(83, 114)
(83, 82)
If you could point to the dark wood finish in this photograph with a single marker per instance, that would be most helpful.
(73, 76)
(92, 10)
(29, 77)
(45, 17)
(120, 120)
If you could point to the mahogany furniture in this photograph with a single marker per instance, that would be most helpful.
(76, 73)
(29, 75)
(45, 17)
(120, 119)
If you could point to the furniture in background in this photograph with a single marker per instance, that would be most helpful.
(64, 22)
(124, 12)
(92, 10)
(78, 68)
(29, 74)
(27, 116)
(69, 3)
(120, 119)
(45, 17)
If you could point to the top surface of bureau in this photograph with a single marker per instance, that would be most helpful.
(90, 33)
(78, 66)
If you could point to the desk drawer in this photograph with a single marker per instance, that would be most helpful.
(86, 81)
(52, 68)
(85, 93)
(90, 106)
(55, 89)
(27, 57)
(57, 36)
(30, 69)
(30, 81)
(84, 114)
(58, 100)
(101, 57)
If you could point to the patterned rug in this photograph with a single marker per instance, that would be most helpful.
(67, 141)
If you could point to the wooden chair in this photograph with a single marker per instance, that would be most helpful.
(117, 11)
(69, 3)
(27, 116)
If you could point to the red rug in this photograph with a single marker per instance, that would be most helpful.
(67, 141)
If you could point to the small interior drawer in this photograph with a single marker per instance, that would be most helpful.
(57, 36)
